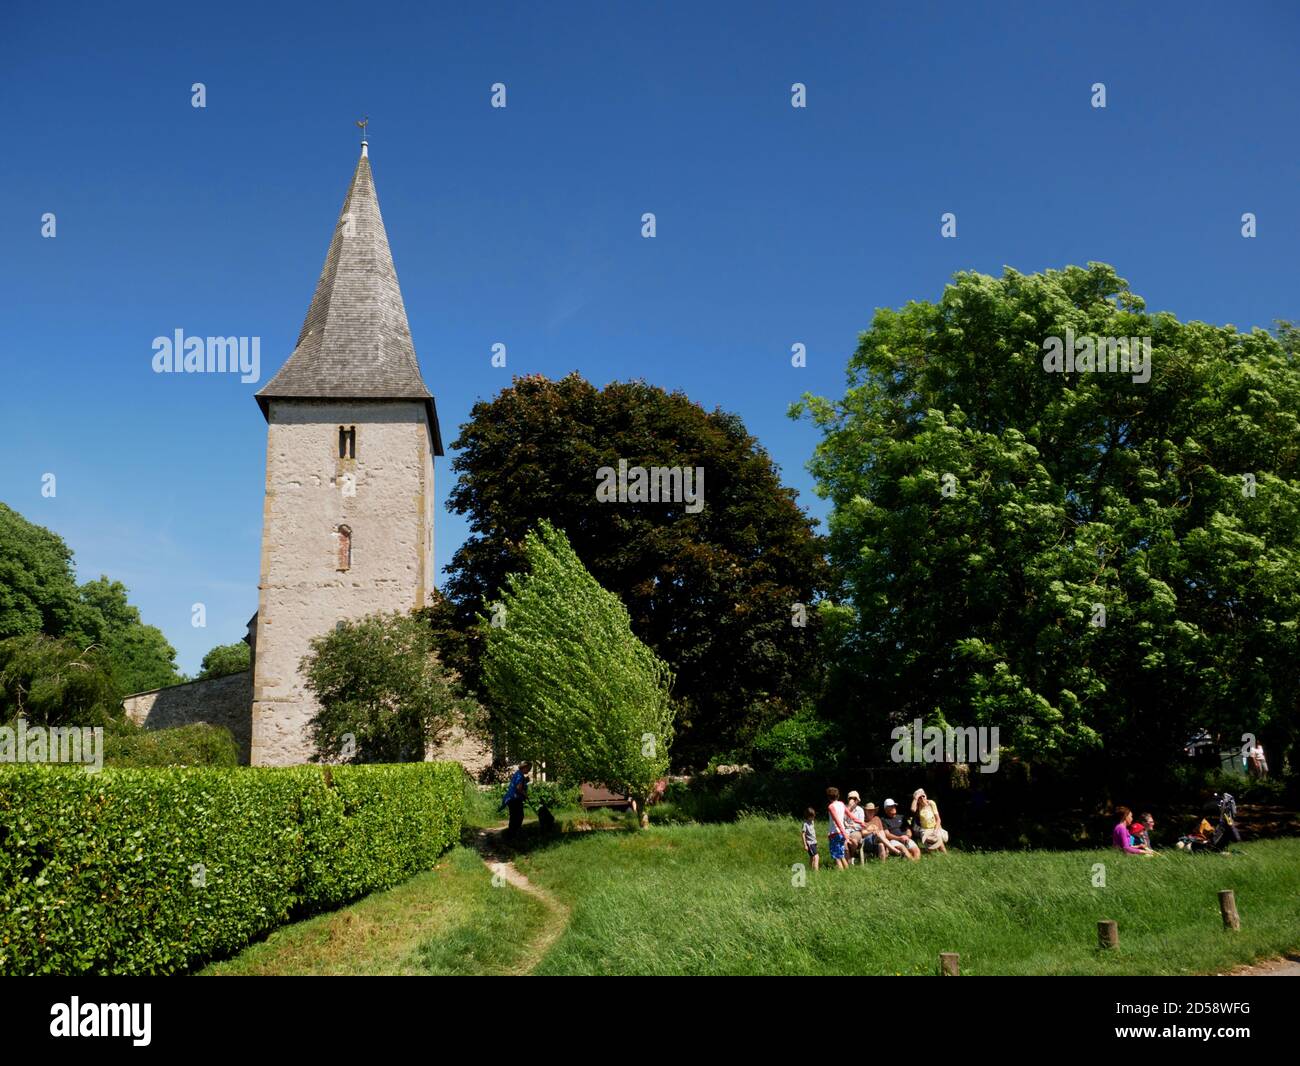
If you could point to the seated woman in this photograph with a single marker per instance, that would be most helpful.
(927, 826)
(1121, 837)
(853, 822)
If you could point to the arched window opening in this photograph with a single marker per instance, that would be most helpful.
(345, 547)
(347, 442)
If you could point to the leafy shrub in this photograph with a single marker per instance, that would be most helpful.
(128, 745)
(369, 827)
(50, 681)
(557, 794)
(800, 743)
(154, 871)
(383, 693)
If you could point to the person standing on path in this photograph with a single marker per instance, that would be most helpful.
(515, 795)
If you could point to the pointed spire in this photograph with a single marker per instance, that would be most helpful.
(355, 343)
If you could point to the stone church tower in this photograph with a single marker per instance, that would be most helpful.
(352, 433)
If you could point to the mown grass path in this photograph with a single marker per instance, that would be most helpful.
(489, 844)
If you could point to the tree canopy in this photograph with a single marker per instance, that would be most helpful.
(1094, 563)
(39, 594)
(710, 590)
(54, 682)
(225, 659)
(383, 693)
(571, 682)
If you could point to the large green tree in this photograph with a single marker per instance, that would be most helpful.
(711, 591)
(39, 594)
(141, 656)
(38, 591)
(384, 695)
(1093, 563)
(570, 681)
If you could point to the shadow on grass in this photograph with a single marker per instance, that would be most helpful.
(570, 825)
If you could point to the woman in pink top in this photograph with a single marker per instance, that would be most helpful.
(1120, 836)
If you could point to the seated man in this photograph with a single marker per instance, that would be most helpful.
(873, 834)
(897, 830)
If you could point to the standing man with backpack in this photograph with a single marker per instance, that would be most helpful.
(515, 795)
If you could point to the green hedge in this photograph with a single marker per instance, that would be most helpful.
(199, 744)
(156, 871)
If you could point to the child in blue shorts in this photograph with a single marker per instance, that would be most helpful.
(838, 832)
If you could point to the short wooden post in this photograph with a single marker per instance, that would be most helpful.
(1108, 934)
(949, 964)
(1228, 908)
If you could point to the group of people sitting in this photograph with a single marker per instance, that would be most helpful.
(1133, 835)
(858, 832)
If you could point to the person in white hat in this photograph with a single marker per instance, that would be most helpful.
(897, 830)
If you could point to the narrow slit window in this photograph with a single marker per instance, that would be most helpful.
(345, 548)
(347, 442)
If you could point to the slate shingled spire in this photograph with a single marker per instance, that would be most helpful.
(355, 343)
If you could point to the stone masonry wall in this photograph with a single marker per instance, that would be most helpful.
(222, 701)
(385, 499)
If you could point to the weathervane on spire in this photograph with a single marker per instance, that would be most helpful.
(363, 123)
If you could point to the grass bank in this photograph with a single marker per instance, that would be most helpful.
(723, 899)
(448, 920)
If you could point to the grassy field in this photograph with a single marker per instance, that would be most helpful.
(720, 899)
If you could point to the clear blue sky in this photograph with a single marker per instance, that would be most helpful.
(522, 225)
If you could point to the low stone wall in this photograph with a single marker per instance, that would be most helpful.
(222, 701)
(460, 747)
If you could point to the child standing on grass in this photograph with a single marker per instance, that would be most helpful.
(838, 833)
(810, 835)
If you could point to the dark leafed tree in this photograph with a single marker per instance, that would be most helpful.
(711, 590)
(1096, 561)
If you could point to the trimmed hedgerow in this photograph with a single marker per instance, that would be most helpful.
(371, 826)
(155, 871)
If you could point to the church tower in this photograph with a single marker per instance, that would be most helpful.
(352, 433)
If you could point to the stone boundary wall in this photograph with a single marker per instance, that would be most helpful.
(460, 747)
(222, 701)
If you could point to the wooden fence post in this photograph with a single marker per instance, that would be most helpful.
(1228, 908)
(949, 964)
(1107, 934)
